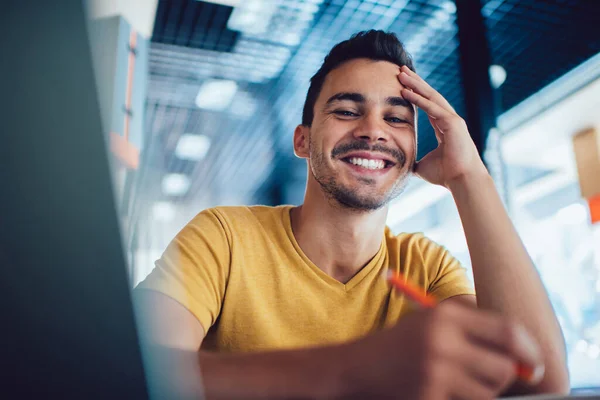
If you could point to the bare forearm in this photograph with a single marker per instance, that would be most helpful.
(505, 277)
(317, 373)
(171, 336)
(307, 373)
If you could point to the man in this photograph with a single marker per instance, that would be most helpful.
(290, 302)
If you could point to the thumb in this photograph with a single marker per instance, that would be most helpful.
(429, 158)
(426, 168)
(439, 135)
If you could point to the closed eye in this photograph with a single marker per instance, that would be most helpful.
(396, 120)
(345, 113)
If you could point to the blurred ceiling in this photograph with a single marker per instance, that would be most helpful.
(227, 84)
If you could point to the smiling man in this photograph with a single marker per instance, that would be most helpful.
(290, 302)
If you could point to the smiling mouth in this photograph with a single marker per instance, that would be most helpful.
(369, 164)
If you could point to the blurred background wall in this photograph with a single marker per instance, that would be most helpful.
(208, 109)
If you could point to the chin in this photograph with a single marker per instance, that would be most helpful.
(361, 194)
(363, 202)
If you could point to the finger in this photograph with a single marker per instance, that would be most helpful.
(426, 164)
(429, 91)
(412, 80)
(508, 337)
(494, 369)
(436, 129)
(465, 387)
(432, 109)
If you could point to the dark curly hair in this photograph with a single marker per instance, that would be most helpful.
(373, 44)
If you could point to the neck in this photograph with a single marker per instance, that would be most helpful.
(338, 240)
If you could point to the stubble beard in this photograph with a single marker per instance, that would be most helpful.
(345, 197)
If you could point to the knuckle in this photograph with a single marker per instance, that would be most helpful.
(446, 306)
(437, 313)
(439, 338)
(429, 393)
(481, 392)
(506, 373)
(436, 348)
(433, 374)
(438, 320)
(450, 310)
(429, 340)
(510, 335)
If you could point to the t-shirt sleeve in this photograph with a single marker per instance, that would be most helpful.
(447, 277)
(194, 268)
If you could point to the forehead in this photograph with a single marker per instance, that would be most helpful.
(373, 79)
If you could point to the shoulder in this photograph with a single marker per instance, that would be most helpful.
(417, 247)
(256, 211)
(238, 219)
(415, 241)
(243, 215)
(429, 264)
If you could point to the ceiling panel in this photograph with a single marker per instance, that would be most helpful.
(538, 41)
(194, 24)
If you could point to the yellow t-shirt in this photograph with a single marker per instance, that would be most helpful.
(240, 271)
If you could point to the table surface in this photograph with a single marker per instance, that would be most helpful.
(555, 397)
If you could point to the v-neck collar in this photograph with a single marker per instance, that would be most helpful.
(334, 283)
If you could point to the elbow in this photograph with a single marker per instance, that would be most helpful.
(556, 379)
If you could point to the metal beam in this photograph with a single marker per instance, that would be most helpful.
(475, 62)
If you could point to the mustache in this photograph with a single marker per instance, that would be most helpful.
(344, 148)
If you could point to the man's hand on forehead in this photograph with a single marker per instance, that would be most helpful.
(456, 154)
(413, 106)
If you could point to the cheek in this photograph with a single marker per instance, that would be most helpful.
(412, 147)
(320, 138)
(406, 141)
(315, 147)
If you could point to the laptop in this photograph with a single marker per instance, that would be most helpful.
(68, 326)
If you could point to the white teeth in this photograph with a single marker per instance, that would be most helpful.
(368, 164)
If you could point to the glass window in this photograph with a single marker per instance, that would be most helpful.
(537, 177)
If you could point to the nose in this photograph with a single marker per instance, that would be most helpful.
(371, 129)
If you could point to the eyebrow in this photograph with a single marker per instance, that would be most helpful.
(399, 101)
(395, 101)
(355, 97)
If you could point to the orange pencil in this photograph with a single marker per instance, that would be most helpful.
(422, 298)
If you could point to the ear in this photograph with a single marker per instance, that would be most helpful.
(301, 141)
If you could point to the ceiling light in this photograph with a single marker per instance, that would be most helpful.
(497, 75)
(216, 94)
(192, 147)
(175, 184)
(252, 16)
(163, 211)
(291, 38)
(449, 6)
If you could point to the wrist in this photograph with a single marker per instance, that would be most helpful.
(471, 179)
(356, 376)
(345, 369)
